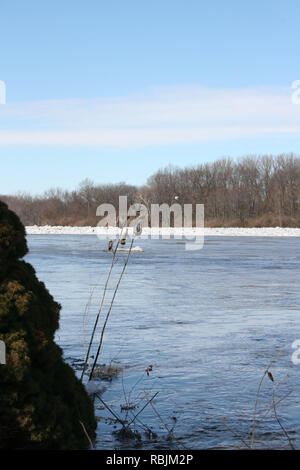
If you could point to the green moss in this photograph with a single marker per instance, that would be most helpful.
(41, 400)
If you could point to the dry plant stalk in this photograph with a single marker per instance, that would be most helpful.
(256, 400)
(107, 372)
(86, 311)
(109, 310)
(255, 423)
(275, 412)
(170, 431)
(100, 308)
(86, 433)
(262, 418)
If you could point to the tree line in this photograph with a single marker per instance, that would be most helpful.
(254, 191)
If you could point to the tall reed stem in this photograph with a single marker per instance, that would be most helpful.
(109, 310)
(99, 309)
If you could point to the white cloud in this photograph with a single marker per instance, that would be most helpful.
(159, 117)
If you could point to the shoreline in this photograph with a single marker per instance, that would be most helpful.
(217, 231)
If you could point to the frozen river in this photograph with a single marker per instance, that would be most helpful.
(209, 322)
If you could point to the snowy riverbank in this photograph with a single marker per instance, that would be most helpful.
(223, 232)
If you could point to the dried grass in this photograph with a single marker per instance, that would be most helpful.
(107, 371)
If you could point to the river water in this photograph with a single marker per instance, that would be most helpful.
(208, 321)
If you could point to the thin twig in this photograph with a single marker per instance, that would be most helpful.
(276, 415)
(125, 396)
(145, 427)
(86, 433)
(110, 410)
(256, 400)
(264, 416)
(233, 433)
(86, 311)
(170, 431)
(134, 386)
(148, 403)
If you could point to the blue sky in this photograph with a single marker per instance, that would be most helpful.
(115, 90)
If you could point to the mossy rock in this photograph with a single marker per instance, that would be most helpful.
(42, 403)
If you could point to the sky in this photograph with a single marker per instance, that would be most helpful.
(113, 91)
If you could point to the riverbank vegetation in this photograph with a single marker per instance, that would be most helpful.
(255, 191)
(42, 403)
